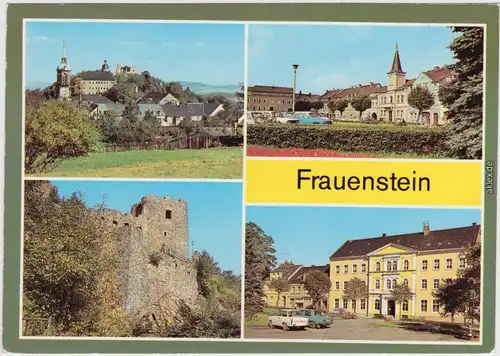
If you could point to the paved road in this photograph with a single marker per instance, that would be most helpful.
(357, 329)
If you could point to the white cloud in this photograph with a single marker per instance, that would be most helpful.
(38, 39)
(199, 44)
(168, 44)
(131, 43)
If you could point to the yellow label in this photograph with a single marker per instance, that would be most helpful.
(437, 183)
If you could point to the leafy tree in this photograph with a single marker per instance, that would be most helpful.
(279, 285)
(127, 131)
(35, 98)
(219, 99)
(108, 125)
(76, 86)
(462, 294)
(317, 105)
(361, 103)
(317, 284)
(421, 99)
(188, 125)
(131, 111)
(122, 92)
(355, 289)
(70, 265)
(463, 96)
(207, 271)
(260, 259)
(206, 321)
(338, 104)
(401, 293)
(240, 97)
(54, 132)
(302, 105)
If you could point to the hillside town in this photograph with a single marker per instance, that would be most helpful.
(89, 87)
(146, 120)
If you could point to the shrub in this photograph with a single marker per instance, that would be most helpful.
(351, 138)
(348, 315)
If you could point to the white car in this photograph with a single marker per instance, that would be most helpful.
(288, 319)
(288, 118)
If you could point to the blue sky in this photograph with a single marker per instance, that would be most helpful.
(207, 53)
(310, 235)
(214, 210)
(333, 56)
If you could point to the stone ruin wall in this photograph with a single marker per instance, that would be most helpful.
(154, 227)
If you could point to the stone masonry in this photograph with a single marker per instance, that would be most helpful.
(153, 240)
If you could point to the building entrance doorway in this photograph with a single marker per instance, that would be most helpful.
(390, 115)
(435, 118)
(391, 308)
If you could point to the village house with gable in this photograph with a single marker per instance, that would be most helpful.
(296, 295)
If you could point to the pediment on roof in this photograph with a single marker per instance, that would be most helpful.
(391, 248)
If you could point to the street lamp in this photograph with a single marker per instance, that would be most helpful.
(295, 66)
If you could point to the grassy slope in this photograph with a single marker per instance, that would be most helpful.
(223, 163)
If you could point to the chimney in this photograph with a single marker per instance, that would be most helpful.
(474, 223)
(426, 228)
(384, 234)
(436, 68)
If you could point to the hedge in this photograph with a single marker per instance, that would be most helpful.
(343, 138)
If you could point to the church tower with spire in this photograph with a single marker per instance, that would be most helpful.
(63, 82)
(396, 76)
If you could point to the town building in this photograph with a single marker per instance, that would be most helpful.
(63, 81)
(390, 102)
(158, 98)
(306, 97)
(269, 98)
(420, 260)
(349, 113)
(296, 295)
(98, 81)
(174, 114)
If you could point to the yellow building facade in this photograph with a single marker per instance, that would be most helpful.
(296, 295)
(419, 260)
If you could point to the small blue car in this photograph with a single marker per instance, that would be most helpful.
(316, 318)
(311, 118)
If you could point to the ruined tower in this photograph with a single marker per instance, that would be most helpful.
(157, 267)
(63, 81)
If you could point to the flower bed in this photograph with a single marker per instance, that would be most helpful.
(298, 152)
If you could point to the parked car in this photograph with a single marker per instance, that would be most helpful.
(288, 118)
(311, 118)
(288, 319)
(317, 319)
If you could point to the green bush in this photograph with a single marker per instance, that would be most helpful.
(349, 315)
(351, 138)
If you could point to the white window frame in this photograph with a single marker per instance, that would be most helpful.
(422, 265)
(434, 268)
(434, 283)
(422, 304)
